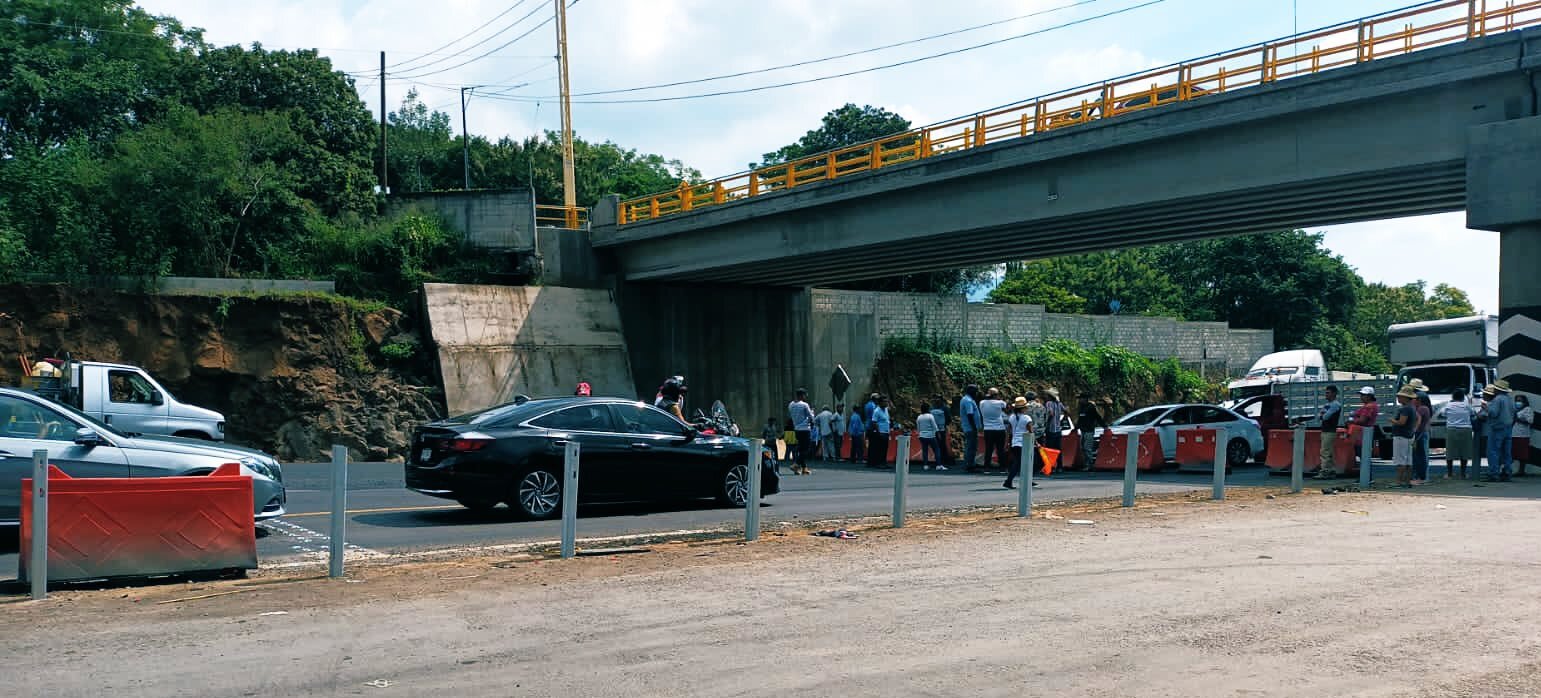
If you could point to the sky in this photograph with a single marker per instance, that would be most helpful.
(620, 44)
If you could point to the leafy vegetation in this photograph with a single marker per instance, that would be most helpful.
(1286, 282)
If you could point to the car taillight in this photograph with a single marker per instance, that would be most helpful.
(466, 445)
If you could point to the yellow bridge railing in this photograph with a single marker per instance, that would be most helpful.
(569, 217)
(1381, 36)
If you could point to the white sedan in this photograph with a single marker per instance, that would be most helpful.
(1244, 437)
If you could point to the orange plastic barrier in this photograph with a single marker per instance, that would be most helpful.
(1281, 449)
(1112, 448)
(1196, 447)
(119, 527)
(1070, 451)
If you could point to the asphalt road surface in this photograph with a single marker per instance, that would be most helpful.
(387, 520)
(1425, 593)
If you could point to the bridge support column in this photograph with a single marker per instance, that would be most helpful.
(1503, 187)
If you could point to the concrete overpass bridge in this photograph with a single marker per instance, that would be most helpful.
(1427, 110)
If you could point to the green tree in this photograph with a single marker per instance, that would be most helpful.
(1035, 283)
(1381, 306)
(846, 125)
(420, 153)
(1133, 277)
(1344, 351)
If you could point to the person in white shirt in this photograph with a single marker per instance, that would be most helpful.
(825, 422)
(925, 426)
(1018, 425)
(992, 412)
(1460, 444)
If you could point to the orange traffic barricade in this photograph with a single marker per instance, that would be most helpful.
(130, 527)
(1070, 451)
(1112, 450)
(1195, 447)
(1281, 450)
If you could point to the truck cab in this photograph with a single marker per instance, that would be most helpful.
(127, 398)
(1446, 355)
(1292, 366)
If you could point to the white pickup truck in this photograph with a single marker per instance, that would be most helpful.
(125, 397)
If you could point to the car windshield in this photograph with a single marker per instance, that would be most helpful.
(1441, 380)
(1139, 417)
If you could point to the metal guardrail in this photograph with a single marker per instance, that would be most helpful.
(569, 217)
(1381, 36)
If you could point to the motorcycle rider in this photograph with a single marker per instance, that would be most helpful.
(671, 397)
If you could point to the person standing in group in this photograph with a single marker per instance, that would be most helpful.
(1402, 426)
(1054, 419)
(925, 426)
(1018, 426)
(877, 434)
(970, 424)
(824, 422)
(1329, 414)
(992, 416)
(836, 437)
(1365, 418)
(939, 413)
(1459, 442)
(1498, 415)
(1087, 421)
(857, 428)
(1524, 430)
(1038, 414)
(1425, 410)
(800, 419)
(771, 434)
(870, 407)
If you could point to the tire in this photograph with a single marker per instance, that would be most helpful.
(1237, 452)
(734, 489)
(537, 495)
(477, 505)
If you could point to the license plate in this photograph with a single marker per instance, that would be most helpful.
(425, 455)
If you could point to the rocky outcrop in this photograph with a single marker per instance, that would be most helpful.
(292, 374)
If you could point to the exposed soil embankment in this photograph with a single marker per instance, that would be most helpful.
(292, 374)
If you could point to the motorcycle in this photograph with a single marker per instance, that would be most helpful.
(720, 422)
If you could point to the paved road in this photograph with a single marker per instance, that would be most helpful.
(385, 519)
(1384, 595)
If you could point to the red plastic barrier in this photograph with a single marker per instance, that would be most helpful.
(1281, 450)
(1070, 451)
(118, 527)
(1196, 447)
(1112, 448)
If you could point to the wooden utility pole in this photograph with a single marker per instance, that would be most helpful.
(569, 186)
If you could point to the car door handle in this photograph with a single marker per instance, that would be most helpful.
(641, 447)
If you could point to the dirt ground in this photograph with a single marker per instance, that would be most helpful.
(1423, 594)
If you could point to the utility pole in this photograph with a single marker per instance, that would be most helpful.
(465, 139)
(384, 180)
(569, 186)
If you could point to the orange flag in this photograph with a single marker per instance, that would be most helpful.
(1049, 457)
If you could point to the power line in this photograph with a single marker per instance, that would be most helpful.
(826, 59)
(462, 37)
(911, 61)
(511, 42)
(484, 40)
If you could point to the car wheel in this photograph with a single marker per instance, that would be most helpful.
(1237, 452)
(538, 495)
(735, 486)
(477, 505)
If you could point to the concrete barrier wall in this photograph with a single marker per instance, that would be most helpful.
(849, 327)
(495, 342)
(492, 220)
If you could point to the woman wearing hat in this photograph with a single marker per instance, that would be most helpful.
(1018, 426)
(1402, 426)
(1524, 433)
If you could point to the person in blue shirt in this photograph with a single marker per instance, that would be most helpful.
(968, 416)
(858, 431)
(877, 445)
(872, 404)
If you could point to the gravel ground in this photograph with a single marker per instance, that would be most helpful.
(1428, 594)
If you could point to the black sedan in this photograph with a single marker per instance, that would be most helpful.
(630, 451)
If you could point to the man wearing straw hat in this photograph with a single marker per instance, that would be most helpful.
(1402, 426)
(1499, 417)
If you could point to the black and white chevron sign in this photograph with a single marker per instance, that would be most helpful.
(1519, 348)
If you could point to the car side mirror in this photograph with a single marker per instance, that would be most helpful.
(157, 399)
(88, 437)
(1166, 422)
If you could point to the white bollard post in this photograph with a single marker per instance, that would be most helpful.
(1298, 460)
(1025, 495)
(39, 567)
(1366, 437)
(1222, 459)
(752, 504)
(901, 479)
(570, 501)
(335, 548)
(1131, 463)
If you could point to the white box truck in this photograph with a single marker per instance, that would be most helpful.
(1445, 355)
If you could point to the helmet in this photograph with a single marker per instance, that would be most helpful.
(671, 389)
(584, 389)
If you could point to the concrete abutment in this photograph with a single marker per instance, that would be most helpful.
(1503, 171)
